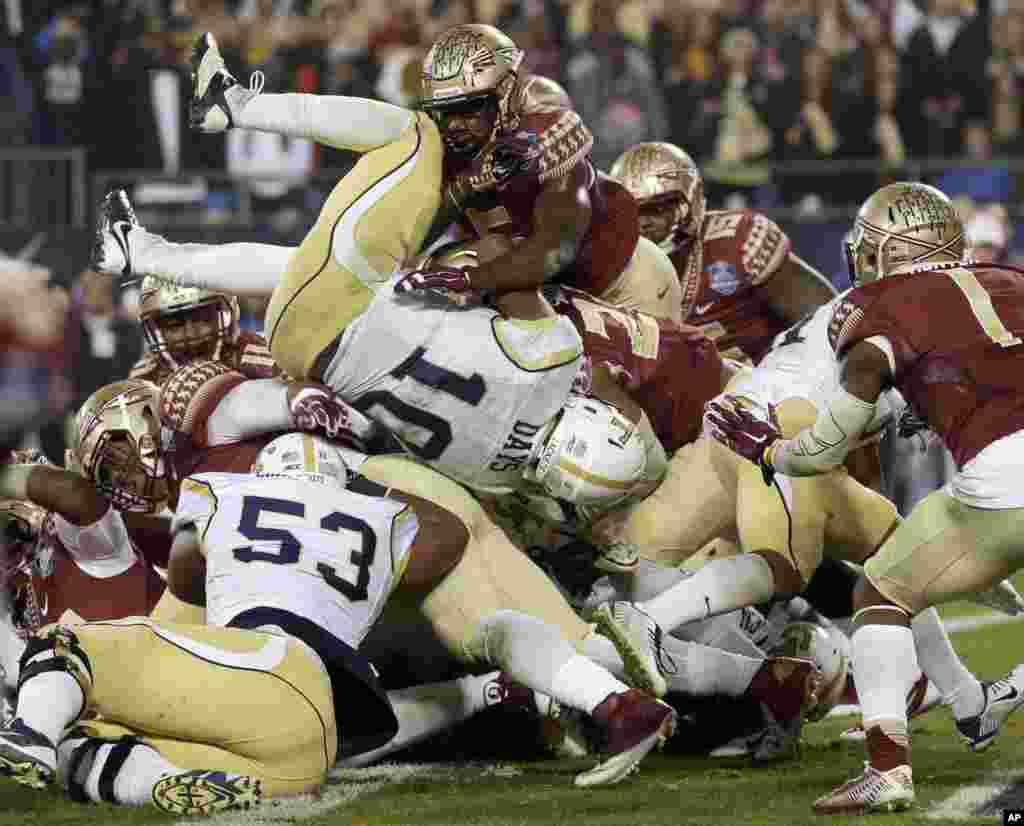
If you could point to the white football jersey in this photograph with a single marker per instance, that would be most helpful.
(465, 389)
(802, 364)
(325, 554)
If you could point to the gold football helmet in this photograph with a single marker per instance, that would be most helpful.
(902, 225)
(184, 323)
(467, 67)
(117, 445)
(662, 175)
(21, 523)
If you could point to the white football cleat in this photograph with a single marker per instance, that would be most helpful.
(216, 96)
(873, 791)
(1002, 698)
(26, 755)
(637, 638)
(117, 232)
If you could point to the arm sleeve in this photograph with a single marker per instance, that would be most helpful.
(101, 549)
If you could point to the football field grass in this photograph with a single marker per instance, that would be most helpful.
(669, 789)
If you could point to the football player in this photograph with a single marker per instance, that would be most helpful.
(946, 333)
(182, 324)
(516, 162)
(741, 282)
(79, 561)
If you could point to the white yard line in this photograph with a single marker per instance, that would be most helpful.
(980, 799)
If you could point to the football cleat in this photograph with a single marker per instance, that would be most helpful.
(111, 251)
(216, 95)
(26, 755)
(637, 638)
(873, 791)
(1002, 698)
(633, 724)
(205, 792)
(617, 557)
(1001, 597)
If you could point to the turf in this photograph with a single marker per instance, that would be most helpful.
(668, 790)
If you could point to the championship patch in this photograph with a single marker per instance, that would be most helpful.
(723, 278)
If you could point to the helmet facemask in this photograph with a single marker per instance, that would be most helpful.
(182, 324)
(131, 477)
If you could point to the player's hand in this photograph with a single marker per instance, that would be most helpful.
(445, 278)
(316, 410)
(504, 159)
(743, 427)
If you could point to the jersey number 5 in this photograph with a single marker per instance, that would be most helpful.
(981, 305)
(289, 547)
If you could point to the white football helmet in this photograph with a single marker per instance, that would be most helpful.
(829, 648)
(589, 454)
(303, 456)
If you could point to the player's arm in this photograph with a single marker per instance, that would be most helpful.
(865, 373)
(186, 568)
(72, 496)
(561, 217)
(797, 289)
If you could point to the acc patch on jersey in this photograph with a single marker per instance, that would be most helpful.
(723, 278)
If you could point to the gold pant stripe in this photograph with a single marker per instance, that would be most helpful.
(338, 220)
(328, 757)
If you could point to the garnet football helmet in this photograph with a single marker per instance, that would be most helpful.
(165, 306)
(663, 175)
(116, 445)
(902, 225)
(303, 456)
(468, 66)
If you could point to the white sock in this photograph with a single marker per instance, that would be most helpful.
(719, 586)
(50, 702)
(533, 653)
(703, 671)
(133, 784)
(240, 268)
(425, 710)
(960, 689)
(647, 581)
(583, 684)
(333, 120)
(884, 670)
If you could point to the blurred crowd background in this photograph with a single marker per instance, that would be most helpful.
(797, 107)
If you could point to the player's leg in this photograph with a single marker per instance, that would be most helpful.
(649, 284)
(71, 671)
(942, 551)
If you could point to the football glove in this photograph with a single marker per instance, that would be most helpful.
(499, 162)
(445, 278)
(318, 411)
(744, 428)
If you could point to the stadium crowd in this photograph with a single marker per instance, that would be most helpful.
(739, 84)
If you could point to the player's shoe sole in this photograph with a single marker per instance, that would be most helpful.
(637, 638)
(205, 792)
(23, 753)
(619, 766)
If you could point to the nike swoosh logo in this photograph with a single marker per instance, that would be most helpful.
(663, 293)
(1010, 694)
(755, 439)
(703, 308)
(121, 230)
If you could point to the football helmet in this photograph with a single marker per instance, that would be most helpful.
(116, 445)
(466, 67)
(303, 456)
(21, 523)
(587, 455)
(164, 307)
(662, 175)
(900, 226)
(829, 648)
